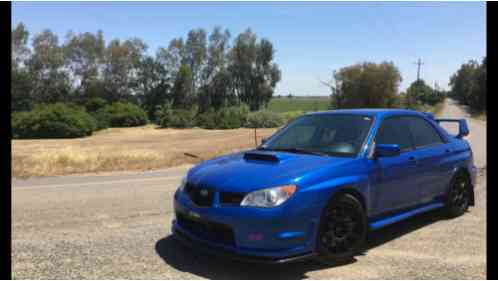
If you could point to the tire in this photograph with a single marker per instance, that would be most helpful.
(459, 196)
(342, 230)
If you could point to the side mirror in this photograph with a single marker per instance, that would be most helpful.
(264, 140)
(463, 129)
(386, 150)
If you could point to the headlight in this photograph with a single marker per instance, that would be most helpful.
(182, 184)
(270, 197)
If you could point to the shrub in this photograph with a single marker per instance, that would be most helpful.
(291, 115)
(264, 119)
(226, 118)
(102, 119)
(178, 118)
(161, 111)
(94, 104)
(208, 119)
(120, 114)
(233, 117)
(53, 121)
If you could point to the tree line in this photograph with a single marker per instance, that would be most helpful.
(469, 85)
(376, 85)
(210, 80)
(203, 70)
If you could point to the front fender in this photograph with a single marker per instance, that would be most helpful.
(322, 192)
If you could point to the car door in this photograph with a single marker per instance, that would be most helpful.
(433, 156)
(395, 183)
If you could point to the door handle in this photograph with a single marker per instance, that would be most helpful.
(448, 150)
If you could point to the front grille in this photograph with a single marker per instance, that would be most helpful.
(212, 231)
(232, 198)
(201, 196)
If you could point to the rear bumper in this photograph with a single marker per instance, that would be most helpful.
(192, 241)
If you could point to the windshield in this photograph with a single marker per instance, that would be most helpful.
(331, 134)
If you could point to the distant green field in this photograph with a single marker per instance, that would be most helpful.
(285, 104)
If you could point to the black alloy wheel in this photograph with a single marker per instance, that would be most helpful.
(343, 229)
(458, 198)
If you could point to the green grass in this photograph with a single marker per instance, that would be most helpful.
(305, 104)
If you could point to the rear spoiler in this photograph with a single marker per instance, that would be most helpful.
(463, 129)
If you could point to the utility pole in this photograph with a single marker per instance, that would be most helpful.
(418, 63)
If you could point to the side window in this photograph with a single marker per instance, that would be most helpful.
(423, 133)
(394, 131)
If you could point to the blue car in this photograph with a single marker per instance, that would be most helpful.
(319, 185)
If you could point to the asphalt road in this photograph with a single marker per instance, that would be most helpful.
(117, 225)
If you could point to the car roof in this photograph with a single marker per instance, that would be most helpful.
(378, 112)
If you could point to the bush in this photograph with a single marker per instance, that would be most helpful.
(208, 119)
(264, 119)
(94, 104)
(226, 118)
(120, 114)
(53, 121)
(291, 115)
(102, 119)
(178, 118)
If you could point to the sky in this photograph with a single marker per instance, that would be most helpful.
(311, 39)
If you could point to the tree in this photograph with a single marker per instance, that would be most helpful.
(172, 57)
(182, 88)
(468, 85)
(20, 50)
(216, 90)
(216, 54)
(254, 74)
(84, 54)
(366, 84)
(51, 83)
(195, 55)
(21, 82)
(421, 93)
(122, 63)
(153, 85)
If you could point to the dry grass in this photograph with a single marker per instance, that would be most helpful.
(480, 116)
(119, 149)
(434, 109)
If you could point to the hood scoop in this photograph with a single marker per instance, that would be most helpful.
(261, 156)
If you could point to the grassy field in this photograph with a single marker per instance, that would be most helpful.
(285, 104)
(141, 148)
(145, 148)
(120, 149)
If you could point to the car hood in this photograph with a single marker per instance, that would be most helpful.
(236, 173)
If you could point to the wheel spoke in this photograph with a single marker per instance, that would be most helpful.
(342, 229)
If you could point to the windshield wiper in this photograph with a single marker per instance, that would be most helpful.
(294, 150)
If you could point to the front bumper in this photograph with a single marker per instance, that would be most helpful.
(250, 234)
(208, 248)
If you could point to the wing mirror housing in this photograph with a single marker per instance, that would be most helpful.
(463, 129)
(264, 140)
(386, 150)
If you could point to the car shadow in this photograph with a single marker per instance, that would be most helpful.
(187, 259)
